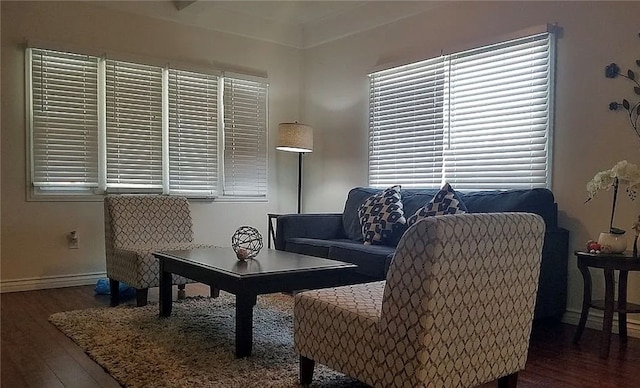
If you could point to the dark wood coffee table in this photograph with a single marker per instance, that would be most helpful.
(271, 271)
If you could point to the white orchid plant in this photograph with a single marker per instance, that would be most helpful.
(623, 173)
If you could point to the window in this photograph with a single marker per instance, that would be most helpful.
(245, 117)
(406, 125)
(193, 133)
(100, 125)
(134, 126)
(64, 106)
(478, 119)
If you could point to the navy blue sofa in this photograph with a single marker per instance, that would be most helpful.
(338, 236)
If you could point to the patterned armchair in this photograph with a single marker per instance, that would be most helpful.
(455, 310)
(135, 227)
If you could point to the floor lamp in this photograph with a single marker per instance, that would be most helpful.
(296, 137)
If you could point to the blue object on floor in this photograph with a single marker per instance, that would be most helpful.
(126, 292)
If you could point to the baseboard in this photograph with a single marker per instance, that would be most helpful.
(594, 321)
(45, 282)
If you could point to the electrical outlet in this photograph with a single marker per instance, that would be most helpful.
(72, 240)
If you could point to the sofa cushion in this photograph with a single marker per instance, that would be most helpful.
(379, 214)
(350, 219)
(538, 201)
(311, 246)
(372, 260)
(446, 201)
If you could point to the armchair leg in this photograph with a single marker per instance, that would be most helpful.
(114, 290)
(142, 295)
(306, 370)
(214, 292)
(509, 381)
(181, 291)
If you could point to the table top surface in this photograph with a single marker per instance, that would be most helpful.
(623, 260)
(625, 254)
(268, 261)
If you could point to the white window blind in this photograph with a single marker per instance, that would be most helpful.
(245, 137)
(64, 131)
(134, 126)
(499, 112)
(406, 125)
(193, 133)
(98, 125)
(486, 125)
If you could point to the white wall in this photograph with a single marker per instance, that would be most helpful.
(34, 247)
(588, 137)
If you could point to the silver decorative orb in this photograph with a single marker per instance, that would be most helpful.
(246, 242)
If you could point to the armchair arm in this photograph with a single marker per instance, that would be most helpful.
(321, 226)
(136, 266)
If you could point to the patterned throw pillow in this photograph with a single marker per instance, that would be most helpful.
(379, 213)
(446, 201)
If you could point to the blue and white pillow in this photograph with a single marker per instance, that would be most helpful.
(446, 201)
(379, 214)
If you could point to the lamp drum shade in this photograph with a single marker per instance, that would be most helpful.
(295, 137)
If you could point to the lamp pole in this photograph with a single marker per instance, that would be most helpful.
(300, 182)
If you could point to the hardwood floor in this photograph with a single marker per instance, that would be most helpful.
(33, 353)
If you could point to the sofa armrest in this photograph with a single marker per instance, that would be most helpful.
(552, 287)
(324, 226)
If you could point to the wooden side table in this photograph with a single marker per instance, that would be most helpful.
(608, 262)
(271, 229)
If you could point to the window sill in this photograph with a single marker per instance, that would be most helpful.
(32, 197)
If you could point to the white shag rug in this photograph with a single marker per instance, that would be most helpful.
(195, 346)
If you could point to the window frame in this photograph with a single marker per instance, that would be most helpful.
(57, 193)
(551, 33)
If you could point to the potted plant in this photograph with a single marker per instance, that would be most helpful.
(622, 174)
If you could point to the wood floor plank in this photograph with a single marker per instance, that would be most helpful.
(12, 379)
(18, 346)
(35, 354)
(68, 371)
(70, 363)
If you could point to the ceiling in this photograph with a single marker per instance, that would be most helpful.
(291, 12)
(300, 23)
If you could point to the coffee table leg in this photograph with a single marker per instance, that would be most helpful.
(165, 291)
(244, 323)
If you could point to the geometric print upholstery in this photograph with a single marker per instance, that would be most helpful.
(456, 310)
(380, 213)
(445, 201)
(338, 327)
(138, 225)
(150, 219)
